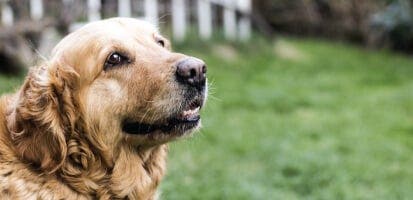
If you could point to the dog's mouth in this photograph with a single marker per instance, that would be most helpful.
(180, 123)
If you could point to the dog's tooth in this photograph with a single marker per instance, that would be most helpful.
(189, 113)
(196, 109)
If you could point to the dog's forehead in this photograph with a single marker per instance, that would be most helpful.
(118, 26)
(99, 32)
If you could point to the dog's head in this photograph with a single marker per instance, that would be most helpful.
(111, 83)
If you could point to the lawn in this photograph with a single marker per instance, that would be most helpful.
(296, 119)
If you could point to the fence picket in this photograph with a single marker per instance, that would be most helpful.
(244, 23)
(124, 8)
(179, 19)
(36, 9)
(230, 26)
(93, 10)
(6, 14)
(204, 19)
(151, 11)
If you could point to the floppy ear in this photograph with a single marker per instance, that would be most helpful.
(44, 115)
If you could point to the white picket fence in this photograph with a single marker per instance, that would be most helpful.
(236, 15)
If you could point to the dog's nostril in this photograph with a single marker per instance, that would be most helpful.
(191, 71)
(204, 69)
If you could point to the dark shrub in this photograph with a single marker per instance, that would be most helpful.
(394, 26)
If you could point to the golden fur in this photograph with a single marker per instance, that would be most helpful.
(61, 135)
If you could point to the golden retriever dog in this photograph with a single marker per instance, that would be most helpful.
(92, 122)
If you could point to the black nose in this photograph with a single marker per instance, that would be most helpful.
(191, 71)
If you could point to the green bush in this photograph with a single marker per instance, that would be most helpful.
(394, 26)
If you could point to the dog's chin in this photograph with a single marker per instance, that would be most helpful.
(179, 124)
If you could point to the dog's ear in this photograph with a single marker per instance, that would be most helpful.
(43, 116)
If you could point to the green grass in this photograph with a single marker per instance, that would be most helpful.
(9, 83)
(297, 119)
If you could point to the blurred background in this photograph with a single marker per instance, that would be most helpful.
(309, 99)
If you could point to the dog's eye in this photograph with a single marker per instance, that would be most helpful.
(161, 42)
(114, 59)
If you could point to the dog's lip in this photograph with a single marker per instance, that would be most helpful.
(185, 120)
